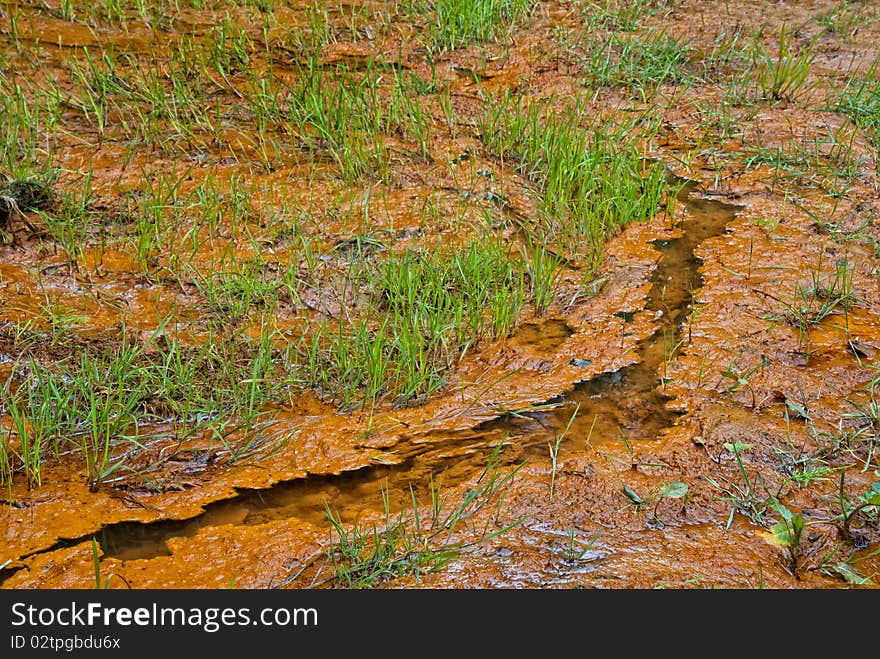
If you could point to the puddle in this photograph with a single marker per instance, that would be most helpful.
(629, 402)
(548, 335)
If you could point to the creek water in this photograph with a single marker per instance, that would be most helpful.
(628, 404)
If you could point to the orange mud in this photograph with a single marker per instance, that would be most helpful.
(663, 369)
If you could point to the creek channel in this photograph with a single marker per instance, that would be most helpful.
(629, 404)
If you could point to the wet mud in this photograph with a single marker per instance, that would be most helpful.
(647, 430)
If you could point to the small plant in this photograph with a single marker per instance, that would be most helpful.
(33, 431)
(867, 414)
(847, 568)
(672, 490)
(7, 464)
(743, 497)
(643, 64)
(417, 312)
(617, 14)
(554, 448)
(70, 221)
(844, 19)
(575, 551)
(543, 266)
(103, 583)
(458, 23)
(787, 533)
(867, 506)
(851, 575)
(783, 76)
(60, 318)
(363, 558)
(806, 475)
(815, 302)
(407, 543)
(860, 101)
(740, 378)
(632, 463)
(590, 181)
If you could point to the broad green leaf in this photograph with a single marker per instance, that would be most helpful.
(737, 447)
(788, 532)
(674, 490)
(799, 410)
(782, 510)
(782, 534)
(872, 496)
(849, 573)
(632, 495)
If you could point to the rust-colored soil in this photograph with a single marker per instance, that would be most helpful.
(737, 397)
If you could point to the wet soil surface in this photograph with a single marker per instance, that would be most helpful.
(654, 427)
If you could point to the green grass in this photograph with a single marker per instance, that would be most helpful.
(640, 62)
(827, 161)
(866, 505)
(455, 24)
(30, 433)
(417, 313)
(188, 98)
(747, 494)
(844, 19)
(121, 13)
(31, 115)
(866, 414)
(825, 295)
(617, 15)
(236, 290)
(69, 221)
(349, 116)
(543, 266)
(417, 541)
(758, 75)
(316, 216)
(860, 101)
(89, 404)
(590, 180)
(340, 115)
(106, 408)
(783, 74)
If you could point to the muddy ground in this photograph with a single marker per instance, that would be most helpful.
(698, 412)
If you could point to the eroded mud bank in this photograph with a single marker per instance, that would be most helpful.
(718, 364)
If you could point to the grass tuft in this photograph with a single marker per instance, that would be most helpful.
(409, 544)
